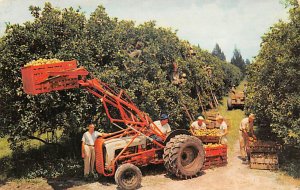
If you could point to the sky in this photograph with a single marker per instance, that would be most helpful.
(230, 23)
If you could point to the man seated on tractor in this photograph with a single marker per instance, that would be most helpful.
(246, 131)
(199, 124)
(163, 125)
(88, 150)
(223, 127)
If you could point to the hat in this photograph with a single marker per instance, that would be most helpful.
(164, 116)
(219, 117)
(200, 118)
(252, 116)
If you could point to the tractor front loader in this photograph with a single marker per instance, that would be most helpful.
(119, 154)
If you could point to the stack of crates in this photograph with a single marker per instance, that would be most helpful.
(211, 119)
(263, 155)
(215, 153)
(215, 156)
(211, 122)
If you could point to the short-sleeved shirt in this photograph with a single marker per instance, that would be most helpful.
(195, 125)
(245, 125)
(89, 139)
(163, 128)
(223, 126)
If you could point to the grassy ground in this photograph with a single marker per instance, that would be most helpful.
(235, 116)
(4, 148)
(5, 151)
(6, 154)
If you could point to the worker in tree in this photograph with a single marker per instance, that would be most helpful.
(88, 150)
(191, 51)
(223, 129)
(233, 89)
(199, 124)
(177, 78)
(208, 71)
(246, 131)
(138, 50)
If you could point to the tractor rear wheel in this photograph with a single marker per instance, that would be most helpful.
(128, 177)
(229, 104)
(184, 156)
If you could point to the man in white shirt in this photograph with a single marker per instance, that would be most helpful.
(88, 150)
(223, 129)
(163, 124)
(199, 124)
(246, 130)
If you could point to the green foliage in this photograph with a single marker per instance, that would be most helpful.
(247, 62)
(102, 45)
(289, 158)
(218, 53)
(238, 60)
(274, 80)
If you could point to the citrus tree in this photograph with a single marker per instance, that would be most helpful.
(274, 79)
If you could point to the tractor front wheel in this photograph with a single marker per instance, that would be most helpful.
(184, 156)
(128, 177)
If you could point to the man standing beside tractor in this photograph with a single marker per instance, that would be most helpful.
(246, 131)
(88, 150)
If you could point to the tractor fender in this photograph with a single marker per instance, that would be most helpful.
(176, 132)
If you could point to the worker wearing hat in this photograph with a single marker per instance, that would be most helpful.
(223, 129)
(199, 124)
(246, 131)
(88, 150)
(163, 124)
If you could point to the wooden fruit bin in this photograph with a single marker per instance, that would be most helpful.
(207, 135)
(216, 161)
(264, 161)
(36, 79)
(263, 146)
(209, 139)
(220, 150)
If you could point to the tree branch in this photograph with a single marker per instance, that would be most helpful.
(43, 141)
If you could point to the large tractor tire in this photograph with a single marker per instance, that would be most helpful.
(128, 177)
(167, 154)
(229, 104)
(184, 156)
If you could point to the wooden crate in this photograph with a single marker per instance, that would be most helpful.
(264, 161)
(220, 150)
(263, 146)
(209, 139)
(262, 166)
(216, 161)
(34, 78)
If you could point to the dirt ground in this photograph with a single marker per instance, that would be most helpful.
(234, 176)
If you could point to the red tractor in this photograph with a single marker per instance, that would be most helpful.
(119, 154)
